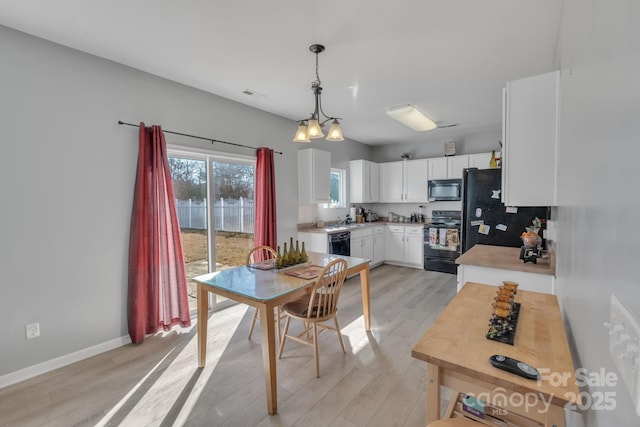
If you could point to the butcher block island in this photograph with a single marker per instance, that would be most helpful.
(457, 353)
(495, 264)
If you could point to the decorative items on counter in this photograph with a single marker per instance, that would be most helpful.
(504, 320)
(291, 256)
(531, 240)
(531, 237)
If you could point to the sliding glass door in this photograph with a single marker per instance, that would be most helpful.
(215, 204)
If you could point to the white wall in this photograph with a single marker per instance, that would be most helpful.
(67, 171)
(599, 153)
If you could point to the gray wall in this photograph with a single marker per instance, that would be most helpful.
(598, 250)
(67, 171)
(472, 143)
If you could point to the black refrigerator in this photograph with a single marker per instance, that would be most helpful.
(485, 219)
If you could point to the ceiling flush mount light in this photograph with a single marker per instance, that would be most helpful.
(410, 116)
(311, 128)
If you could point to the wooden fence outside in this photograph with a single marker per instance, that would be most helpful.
(236, 215)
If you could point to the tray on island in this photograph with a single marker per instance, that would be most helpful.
(503, 329)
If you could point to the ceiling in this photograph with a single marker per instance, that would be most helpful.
(449, 58)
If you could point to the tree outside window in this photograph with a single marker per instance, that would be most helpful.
(338, 186)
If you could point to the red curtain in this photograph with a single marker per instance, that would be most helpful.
(265, 231)
(157, 281)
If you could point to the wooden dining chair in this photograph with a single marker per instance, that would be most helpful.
(320, 305)
(257, 254)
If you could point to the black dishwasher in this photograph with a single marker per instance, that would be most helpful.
(340, 243)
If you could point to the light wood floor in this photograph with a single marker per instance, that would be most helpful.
(157, 383)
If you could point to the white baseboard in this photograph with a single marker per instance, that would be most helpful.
(59, 362)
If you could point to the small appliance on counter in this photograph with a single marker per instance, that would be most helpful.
(359, 214)
(371, 216)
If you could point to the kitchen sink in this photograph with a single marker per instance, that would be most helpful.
(334, 227)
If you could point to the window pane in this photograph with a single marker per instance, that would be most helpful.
(233, 212)
(337, 191)
(335, 188)
(189, 179)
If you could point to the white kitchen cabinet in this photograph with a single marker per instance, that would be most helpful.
(394, 244)
(391, 182)
(363, 181)
(481, 160)
(416, 174)
(529, 137)
(438, 168)
(314, 176)
(378, 245)
(368, 243)
(362, 243)
(448, 167)
(403, 245)
(404, 182)
(455, 166)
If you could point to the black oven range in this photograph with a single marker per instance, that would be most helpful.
(442, 241)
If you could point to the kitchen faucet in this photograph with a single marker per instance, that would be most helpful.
(346, 220)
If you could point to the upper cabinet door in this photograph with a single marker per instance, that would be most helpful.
(314, 176)
(391, 182)
(481, 161)
(455, 166)
(363, 181)
(416, 176)
(374, 182)
(530, 135)
(404, 181)
(438, 168)
(448, 167)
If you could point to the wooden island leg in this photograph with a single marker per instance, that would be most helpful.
(555, 416)
(433, 393)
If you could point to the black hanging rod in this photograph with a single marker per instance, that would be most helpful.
(120, 122)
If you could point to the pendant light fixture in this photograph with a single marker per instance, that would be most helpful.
(311, 128)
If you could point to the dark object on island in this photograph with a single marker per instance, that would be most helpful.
(530, 254)
(503, 329)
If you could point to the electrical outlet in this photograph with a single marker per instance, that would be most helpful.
(624, 347)
(32, 330)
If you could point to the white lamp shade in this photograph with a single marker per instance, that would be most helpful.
(335, 132)
(410, 116)
(314, 130)
(301, 134)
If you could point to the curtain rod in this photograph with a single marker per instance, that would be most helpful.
(120, 122)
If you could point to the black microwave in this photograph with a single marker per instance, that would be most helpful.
(440, 190)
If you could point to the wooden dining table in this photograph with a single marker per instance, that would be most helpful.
(265, 290)
(457, 352)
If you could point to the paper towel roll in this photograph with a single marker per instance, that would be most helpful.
(352, 213)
